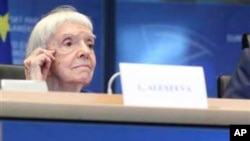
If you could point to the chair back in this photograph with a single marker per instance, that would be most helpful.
(222, 83)
(11, 72)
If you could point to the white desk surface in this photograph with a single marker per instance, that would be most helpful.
(110, 108)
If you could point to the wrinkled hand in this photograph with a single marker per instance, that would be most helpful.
(37, 64)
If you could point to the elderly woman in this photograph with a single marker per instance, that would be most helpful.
(60, 50)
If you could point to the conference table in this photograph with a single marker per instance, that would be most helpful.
(54, 116)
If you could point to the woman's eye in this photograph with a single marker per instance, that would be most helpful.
(68, 44)
(91, 46)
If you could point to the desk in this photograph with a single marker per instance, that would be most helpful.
(72, 116)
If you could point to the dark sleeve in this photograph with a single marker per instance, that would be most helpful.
(239, 85)
(85, 91)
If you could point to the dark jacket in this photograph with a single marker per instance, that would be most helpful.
(84, 91)
(239, 85)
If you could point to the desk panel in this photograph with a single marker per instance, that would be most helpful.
(102, 107)
(20, 130)
(54, 116)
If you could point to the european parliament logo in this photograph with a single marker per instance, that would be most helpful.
(5, 48)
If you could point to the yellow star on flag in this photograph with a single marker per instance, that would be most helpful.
(4, 26)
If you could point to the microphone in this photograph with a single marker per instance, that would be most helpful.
(110, 82)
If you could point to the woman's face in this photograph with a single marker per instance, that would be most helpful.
(74, 53)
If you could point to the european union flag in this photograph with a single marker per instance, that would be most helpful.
(5, 48)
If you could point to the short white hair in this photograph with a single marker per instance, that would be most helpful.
(46, 27)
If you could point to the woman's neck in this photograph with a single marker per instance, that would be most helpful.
(54, 84)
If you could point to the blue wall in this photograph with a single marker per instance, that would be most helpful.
(196, 34)
(157, 32)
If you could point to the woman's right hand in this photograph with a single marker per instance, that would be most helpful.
(37, 64)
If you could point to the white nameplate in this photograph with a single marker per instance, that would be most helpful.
(163, 86)
(23, 85)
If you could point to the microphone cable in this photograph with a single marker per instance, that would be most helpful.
(110, 82)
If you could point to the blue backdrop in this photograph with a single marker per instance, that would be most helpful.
(196, 34)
